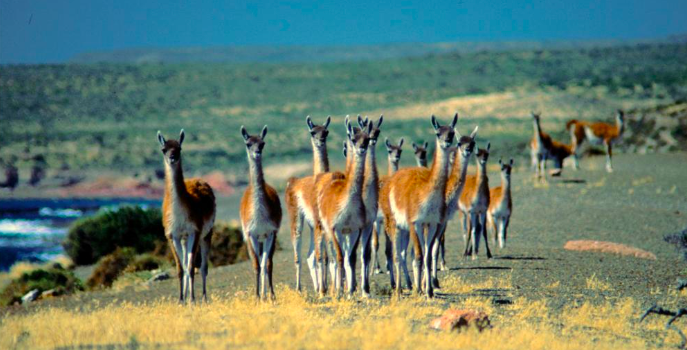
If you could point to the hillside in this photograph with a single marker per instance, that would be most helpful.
(341, 53)
(104, 117)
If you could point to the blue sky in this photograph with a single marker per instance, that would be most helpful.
(49, 31)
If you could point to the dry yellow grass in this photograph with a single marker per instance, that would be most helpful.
(296, 321)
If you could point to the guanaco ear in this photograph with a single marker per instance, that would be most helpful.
(511, 162)
(400, 143)
(387, 143)
(488, 146)
(349, 129)
(326, 124)
(455, 121)
(414, 147)
(160, 138)
(361, 122)
(264, 132)
(474, 132)
(181, 137)
(379, 122)
(244, 133)
(426, 144)
(500, 162)
(309, 122)
(435, 123)
(369, 128)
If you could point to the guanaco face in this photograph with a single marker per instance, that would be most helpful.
(318, 133)
(171, 149)
(254, 144)
(394, 152)
(420, 153)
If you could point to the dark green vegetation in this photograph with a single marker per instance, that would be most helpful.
(54, 278)
(105, 116)
(91, 238)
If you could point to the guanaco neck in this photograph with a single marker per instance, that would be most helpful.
(439, 170)
(355, 175)
(537, 133)
(459, 172)
(620, 124)
(371, 174)
(174, 182)
(482, 179)
(393, 166)
(256, 178)
(320, 157)
(505, 185)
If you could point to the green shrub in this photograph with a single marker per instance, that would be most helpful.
(145, 262)
(57, 278)
(110, 267)
(90, 239)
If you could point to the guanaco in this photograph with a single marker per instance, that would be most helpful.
(393, 160)
(342, 212)
(598, 134)
(543, 147)
(370, 200)
(454, 189)
(420, 153)
(474, 203)
(501, 205)
(301, 198)
(416, 206)
(188, 215)
(260, 214)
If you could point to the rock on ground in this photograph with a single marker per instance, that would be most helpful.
(30, 296)
(454, 319)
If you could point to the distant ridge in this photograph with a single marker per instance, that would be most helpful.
(282, 54)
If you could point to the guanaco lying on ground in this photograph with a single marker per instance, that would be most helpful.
(501, 206)
(188, 215)
(416, 206)
(393, 161)
(301, 199)
(543, 147)
(260, 214)
(474, 203)
(598, 134)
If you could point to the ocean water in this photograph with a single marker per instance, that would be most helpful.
(33, 230)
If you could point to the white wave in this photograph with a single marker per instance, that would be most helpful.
(61, 213)
(29, 227)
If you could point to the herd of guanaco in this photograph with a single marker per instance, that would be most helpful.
(356, 206)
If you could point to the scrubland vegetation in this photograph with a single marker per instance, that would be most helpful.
(104, 116)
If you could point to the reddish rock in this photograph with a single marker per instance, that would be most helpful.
(459, 319)
(608, 247)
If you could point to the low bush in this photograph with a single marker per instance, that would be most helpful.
(55, 277)
(679, 240)
(145, 262)
(92, 238)
(110, 267)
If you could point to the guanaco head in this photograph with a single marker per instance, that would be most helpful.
(254, 144)
(446, 133)
(483, 155)
(171, 149)
(421, 153)
(374, 131)
(318, 133)
(467, 143)
(359, 139)
(394, 150)
(506, 168)
(536, 116)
